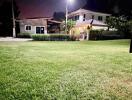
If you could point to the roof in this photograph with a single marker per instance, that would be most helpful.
(54, 21)
(37, 18)
(86, 11)
(93, 21)
(38, 21)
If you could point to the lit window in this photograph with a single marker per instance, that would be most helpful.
(28, 28)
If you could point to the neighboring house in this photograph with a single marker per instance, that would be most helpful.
(85, 17)
(39, 25)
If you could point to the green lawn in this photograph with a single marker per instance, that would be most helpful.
(88, 70)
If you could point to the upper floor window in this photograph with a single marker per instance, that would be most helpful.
(28, 27)
(93, 16)
(77, 17)
(107, 17)
(100, 18)
(84, 17)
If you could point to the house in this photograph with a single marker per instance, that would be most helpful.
(84, 18)
(39, 25)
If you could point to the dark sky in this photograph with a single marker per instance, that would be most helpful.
(45, 8)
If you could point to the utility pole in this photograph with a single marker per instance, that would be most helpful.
(131, 45)
(13, 19)
(66, 16)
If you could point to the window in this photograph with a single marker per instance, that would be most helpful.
(84, 17)
(28, 28)
(77, 17)
(100, 18)
(40, 30)
(92, 16)
(107, 17)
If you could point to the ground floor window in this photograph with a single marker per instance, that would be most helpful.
(28, 28)
(40, 30)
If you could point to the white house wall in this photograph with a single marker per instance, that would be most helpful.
(33, 23)
(99, 28)
(88, 14)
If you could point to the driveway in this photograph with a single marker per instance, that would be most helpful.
(13, 39)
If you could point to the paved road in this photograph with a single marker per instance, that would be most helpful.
(13, 39)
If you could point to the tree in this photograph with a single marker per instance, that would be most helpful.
(6, 17)
(120, 23)
(59, 16)
(70, 25)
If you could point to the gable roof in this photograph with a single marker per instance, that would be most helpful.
(84, 11)
(37, 18)
(54, 21)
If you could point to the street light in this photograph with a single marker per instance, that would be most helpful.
(13, 18)
(67, 1)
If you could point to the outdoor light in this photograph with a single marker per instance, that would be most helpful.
(71, 1)
(67, 2)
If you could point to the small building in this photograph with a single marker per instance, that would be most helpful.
(84, 18)
(39, 25)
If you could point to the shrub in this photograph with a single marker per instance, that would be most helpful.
(53, 37)
(40, 37)
(104, 35)
(59, 37)
(95, 35)
(24, 35)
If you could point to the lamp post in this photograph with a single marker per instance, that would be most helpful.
(13, 18)
(67, 1)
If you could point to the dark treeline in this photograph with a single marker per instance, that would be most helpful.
(115, 7)
(60, 16)
(6, 17)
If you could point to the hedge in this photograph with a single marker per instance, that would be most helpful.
(53, 37)
(24, 35)
(104, 35)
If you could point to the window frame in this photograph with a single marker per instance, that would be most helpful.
(28, 29)
(100, 18)
(40, 29)
(84, 17)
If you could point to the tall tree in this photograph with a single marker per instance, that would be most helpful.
(60, 16)
(6, 17)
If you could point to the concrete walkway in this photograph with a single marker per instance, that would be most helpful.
(13, 39)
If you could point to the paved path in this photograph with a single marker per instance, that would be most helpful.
(13, 39)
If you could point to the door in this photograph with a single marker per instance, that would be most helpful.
(39, 30)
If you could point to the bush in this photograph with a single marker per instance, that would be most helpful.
(53, 37)
(24, 35)
(59, 37)
(40, 37)
(104, 35)
(95, 34)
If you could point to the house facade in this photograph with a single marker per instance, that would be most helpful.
(84, 18)
(39, 25)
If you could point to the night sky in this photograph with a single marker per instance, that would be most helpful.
(45, 8)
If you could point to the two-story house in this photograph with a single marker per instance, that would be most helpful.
(84, 18)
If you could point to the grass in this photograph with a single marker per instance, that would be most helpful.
(93, 70)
